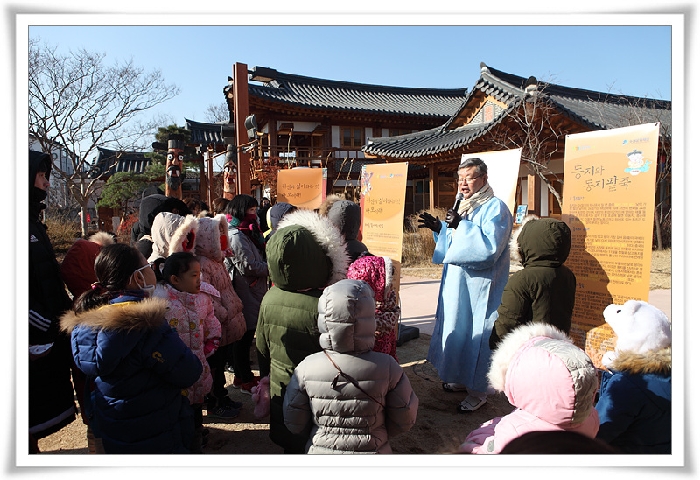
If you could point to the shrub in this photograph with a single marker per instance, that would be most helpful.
(124, 230)
(418, 243)
(63, 230)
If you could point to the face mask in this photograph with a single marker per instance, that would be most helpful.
(252, 218)
(147, 289)
(223, 240)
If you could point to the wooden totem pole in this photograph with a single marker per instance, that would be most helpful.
(230, 173)
(174, 176)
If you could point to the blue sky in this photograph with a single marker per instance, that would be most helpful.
(618, 58)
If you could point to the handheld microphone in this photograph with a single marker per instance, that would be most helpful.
(458, 198)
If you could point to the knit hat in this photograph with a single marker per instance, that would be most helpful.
(639, 326)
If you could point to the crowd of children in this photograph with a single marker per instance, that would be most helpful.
(151, 338)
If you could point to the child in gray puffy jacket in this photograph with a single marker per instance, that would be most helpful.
(318, 402)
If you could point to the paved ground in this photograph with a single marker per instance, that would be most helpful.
(419, 299)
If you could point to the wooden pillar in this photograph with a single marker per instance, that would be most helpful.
(434, 197)
(272, 139)
(534, 194)
(210, 175)
(241, 106)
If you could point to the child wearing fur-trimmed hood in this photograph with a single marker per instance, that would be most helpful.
(635, 390)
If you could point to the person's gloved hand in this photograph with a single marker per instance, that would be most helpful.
(426, 220)
(452, 218)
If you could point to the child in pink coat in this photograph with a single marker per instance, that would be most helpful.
(551, 383)
(191, 315)
(211, 248)
(379, 273)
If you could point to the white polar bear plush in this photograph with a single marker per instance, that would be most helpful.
(639, 326)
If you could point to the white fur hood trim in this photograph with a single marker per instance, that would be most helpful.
(169, 231)
(326, 234)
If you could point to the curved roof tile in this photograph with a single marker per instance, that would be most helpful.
(314, 93)
(598, 110)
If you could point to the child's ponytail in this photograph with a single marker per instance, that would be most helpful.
(114, 266)
(93, 298)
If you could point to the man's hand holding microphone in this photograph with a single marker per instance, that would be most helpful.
(452, 217)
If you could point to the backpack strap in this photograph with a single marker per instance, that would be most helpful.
(349, 378)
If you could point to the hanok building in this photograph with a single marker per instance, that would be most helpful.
(305, 121)
(317, 123)
(505, 111)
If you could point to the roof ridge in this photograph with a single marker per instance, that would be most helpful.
(272, 74)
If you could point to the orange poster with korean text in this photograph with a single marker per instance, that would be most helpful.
(302, 187)
(383, 197)
(609, 185)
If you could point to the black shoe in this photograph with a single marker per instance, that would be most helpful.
(226, 402)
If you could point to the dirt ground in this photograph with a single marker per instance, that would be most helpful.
(439, 428)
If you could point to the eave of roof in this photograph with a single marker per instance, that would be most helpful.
(108, 163)
(205, 133)
(595, 110)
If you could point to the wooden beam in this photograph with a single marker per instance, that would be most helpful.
(434, 197)
(534, 194)
(240, 87)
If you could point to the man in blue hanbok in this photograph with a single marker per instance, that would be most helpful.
(472, 243)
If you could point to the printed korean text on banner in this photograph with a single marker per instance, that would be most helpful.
(609, 185)
(383, 197)
(302, 187)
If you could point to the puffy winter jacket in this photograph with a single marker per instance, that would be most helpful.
(192, 317)
(142, 370)
(350, 397)
(228, 307)
(378, 272)
(544, 290)
(635, 402)
(248, 271)
(551, 382)
(306, 254)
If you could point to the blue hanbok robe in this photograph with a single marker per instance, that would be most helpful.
(476, 262)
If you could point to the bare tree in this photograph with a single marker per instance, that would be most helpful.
(538, 131)
(78, 103)
(638, 111)
(216, 113)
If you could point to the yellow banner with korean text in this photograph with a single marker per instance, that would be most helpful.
(382, 198)
(609, 191)
(302, 187)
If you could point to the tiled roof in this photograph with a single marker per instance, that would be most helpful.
(319, 94)
(134, 162)
(597, 110)
(205, 133)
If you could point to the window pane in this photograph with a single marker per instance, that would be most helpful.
(358, 137)
(346, 137)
